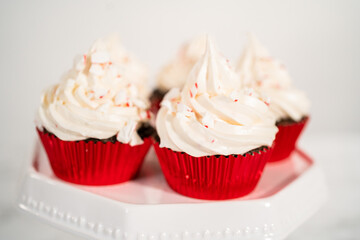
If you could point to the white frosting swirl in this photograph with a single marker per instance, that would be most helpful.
(174, 74)
(268, 76)
(212, 115)
(99, 98)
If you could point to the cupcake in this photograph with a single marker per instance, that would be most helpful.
(290, 106)
(214, 137)
(174, 74)
(94, 124)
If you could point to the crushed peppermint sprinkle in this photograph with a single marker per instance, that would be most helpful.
(234, 95)
(191, 95)
(167, 104)
(208, 120)
(120, 97)
(100, 57)
(184, 110)
(103, 65)
(267, 100)
(96, 70)
(84, 57)
(196, 85)
(193, 90)
(182, 107)
(212, 141)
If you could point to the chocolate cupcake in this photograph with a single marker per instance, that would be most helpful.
(94, 123)
(258, 70)
(214, 138)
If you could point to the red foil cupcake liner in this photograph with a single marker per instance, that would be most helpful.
(93, 163)
(212, 177)
(285, 140)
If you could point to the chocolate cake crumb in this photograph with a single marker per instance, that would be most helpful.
(157, 94)
(288, 121)
(156, 137)
(145, 130)
(251, 152)
(95, 140)
(256, 150)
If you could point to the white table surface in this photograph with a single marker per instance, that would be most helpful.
(339, 218)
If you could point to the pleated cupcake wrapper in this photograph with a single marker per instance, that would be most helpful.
(93, 163)
(212, 178)
(285, 140)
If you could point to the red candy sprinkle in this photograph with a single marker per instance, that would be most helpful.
(196, 85)
(206, 126)
(191, 95)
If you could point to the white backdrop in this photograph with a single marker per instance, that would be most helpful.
(319, 42)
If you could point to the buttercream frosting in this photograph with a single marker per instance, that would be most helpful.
(214, 114)
(99, 97)
(258, 70)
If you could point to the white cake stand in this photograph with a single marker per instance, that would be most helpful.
(146, 208)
